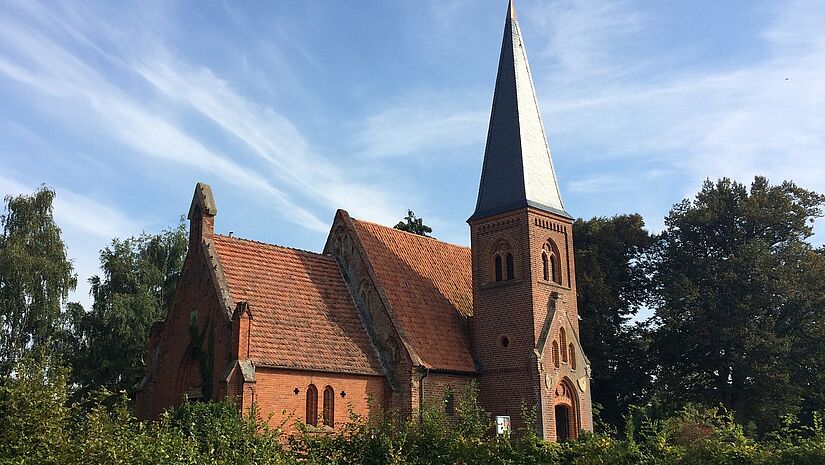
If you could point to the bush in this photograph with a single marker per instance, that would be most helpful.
(38, 424)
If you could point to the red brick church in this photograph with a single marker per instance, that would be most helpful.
(387, 319)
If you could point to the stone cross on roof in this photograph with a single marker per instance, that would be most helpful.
(518, 169)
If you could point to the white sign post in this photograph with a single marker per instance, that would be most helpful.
(502, 425)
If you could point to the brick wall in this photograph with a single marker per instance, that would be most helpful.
(275, 393)
(195, 299)
(543, 227)
(435, 386)
(174, 372)
(510, 318)
(502, 322)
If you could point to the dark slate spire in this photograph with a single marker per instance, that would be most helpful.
(518, 170)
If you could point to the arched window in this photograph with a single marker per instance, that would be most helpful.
(550, 262)
(544, 268)
(449, 403)
(572, 353)
(555, 354)
(554, 267)
(312, 405)
(563, 343)
(329, 406)
(503, 268)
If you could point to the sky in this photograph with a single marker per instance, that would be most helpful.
(292, 109)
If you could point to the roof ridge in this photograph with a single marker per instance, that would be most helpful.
(285, 247)
(411, 234)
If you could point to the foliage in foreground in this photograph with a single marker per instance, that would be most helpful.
(39, 425)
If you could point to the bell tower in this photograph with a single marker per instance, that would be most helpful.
(525, 328)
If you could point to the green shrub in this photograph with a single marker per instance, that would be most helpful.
(39, 425)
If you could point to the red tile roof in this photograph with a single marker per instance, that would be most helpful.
(428, 284)
(303, 314)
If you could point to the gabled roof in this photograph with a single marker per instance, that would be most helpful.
(518, 169)
(303, 314)
(428, 285)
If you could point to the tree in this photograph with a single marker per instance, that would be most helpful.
(414, 225)
(140, 276)
(612, 287)
(740, 300)
(35, 277)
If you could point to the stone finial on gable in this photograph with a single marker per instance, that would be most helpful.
(202, 214)
(203, 203)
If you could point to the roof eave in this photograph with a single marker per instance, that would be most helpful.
(516, 206)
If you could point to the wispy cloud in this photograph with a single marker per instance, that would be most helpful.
(269, 135)
(601, 183)
(766, 117)
(79, 212)
(38, 61)
(584, 36)
(421, 125)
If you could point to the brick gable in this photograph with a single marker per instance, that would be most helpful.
(428, 286)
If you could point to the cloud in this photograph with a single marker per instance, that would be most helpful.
(585, 37)
(765, 117)
(78, 212)
(421, 125)
(601, 183)
(87, 225)
(269, 135)
(37, 61)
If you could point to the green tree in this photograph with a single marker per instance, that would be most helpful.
(612, 287)
(414, 225)
(35, 277)
(739, 301)
(34, 411)
(140, 276)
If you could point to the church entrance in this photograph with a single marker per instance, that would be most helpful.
(565, 402)
(562, 423)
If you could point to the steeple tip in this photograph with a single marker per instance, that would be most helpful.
(518, 169)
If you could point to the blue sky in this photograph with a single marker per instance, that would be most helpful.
(292, 109)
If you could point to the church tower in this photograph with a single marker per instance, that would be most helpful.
(525, 327)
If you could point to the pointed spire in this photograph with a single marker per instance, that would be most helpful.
(518, 169)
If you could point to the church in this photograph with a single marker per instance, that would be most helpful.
(385, 319)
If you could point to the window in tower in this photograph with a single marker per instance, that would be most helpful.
(550, 262)
(502, 262)
(554, 270)
(544, 268)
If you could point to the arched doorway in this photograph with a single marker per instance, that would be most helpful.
(565, 411)
(562, 413)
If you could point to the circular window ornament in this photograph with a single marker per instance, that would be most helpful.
(504, 341)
